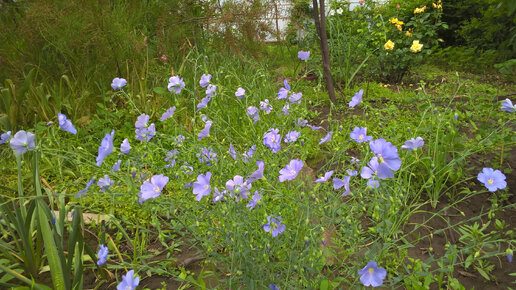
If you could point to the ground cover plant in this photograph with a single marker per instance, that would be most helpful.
(231, 172)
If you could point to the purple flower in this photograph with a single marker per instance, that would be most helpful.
(65, 124)
(206, 131)
(413, 143)
(295, 98)
(207, 156)
(509, 255)
(254, 201)
(258, 174)
(204, 102)
(273, 286)
(179, 140)
(170, 158)
(324, 178)
(508, 106)
(285, 109)
(359, 134)
(218, 195)
(338, 183)
(153, 188)
(141, 121)
(300, 122)
(252, 112)
(116, 166)
(456, 116)
(232, 151)
(202, 186)
(371, 275)
(105, 148)
(4, 137)
(22, 142)
(351, 172)
(240, 92)
(492, 179)
(283, 92)
(105, 182)
(291, 170)
(205, 80)
(265, 106)
(357, 98)
(118, 83)
(168, 113)
(373, 183)
(129, 282)
(175, 84)
(211, 91)
(238, 187)
(368, 172)
(248, 154)
(125, 147)
(326, 138)
(145, 133)
(83, 191)
(102, 255)
(387, 157)
(315, 128)
(272, 139)
(291, 136)
(303, 55)
(274, 226)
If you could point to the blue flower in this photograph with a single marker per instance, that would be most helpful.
(283, 92)
(118, 83)
(240, 92)
(413, 143)
(252, 112)
(300, 122)
(388, 158)
(202, 186)
(204, 102)
(176, 84)
(258, 174)
(303, 55)
(357, 98)
(359, 134)
(315, 128)
(105, 182)
(102, 255)
(116, 166)
(153, 188)
(83, 191)
(291, 136)
(22, 142)
(211, 91)
(206, 131)
(286, 109)
(168, 113)
(272, 139)
(125, 147)
(371, 275)
(265, 106)
(129, 281)
(105, 148)
(274, 226)
(205, 80)
(291, 170)
(207, 156)
(508, 106)
(492, 179)
(4, 137)
(232, 151)
(295, 98)
(338, 183)
(238, 187)
(65, 124)
(324, 178)
(326, 138)
(248, 154)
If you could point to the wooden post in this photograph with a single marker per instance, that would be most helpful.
(320, 25)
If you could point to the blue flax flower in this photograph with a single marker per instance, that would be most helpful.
(4, 137)
(413, 144)
(105, 148)
(291, 170)
(286, 109)
(105, 182)
(116, 166)
(175, 84)
(265, 106)
(179, 140)
(509, 255)
(252, 112)
(168, 113)
(65, 124)
(202, 186)
(492, 179)
(291, 136)
(326, 138)
(357, 99)
(102, 255)
(254, 201)
(129, 281)
(232, 151)
(238, 187)
(371, 275)
(338, 183)
(258, 174)
(207, 156)
(303, 55)
(371, 171)
(22, 142)
(315, 128)
(205, 80)
(240, 93)
(153, 188)
(324, 178)
(218, 195)
(249, 154)
(204, 102)
(274, 226)
(295, 98)
(211, 91)
(83, 191)
(118, 83)
(359, 134)
(206, 131)
(301, 122)
(388, 158)
(272, 139)
(283, 92)
(125, 147)
(508, 106)
(273, 286)
(170, 158)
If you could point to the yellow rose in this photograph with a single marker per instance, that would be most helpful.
(416, 46)
(389, 45)
(394, 20)
(408, 33)
(399, 27)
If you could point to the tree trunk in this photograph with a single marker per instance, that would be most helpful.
(320, 25)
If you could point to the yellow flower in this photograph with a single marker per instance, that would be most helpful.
(399, 27)
(408, 33)
(389, 45)
(420, 10)
(416, 46)
(394, 20)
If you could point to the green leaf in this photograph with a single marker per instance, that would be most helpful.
(160, 90)
(483, 273)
